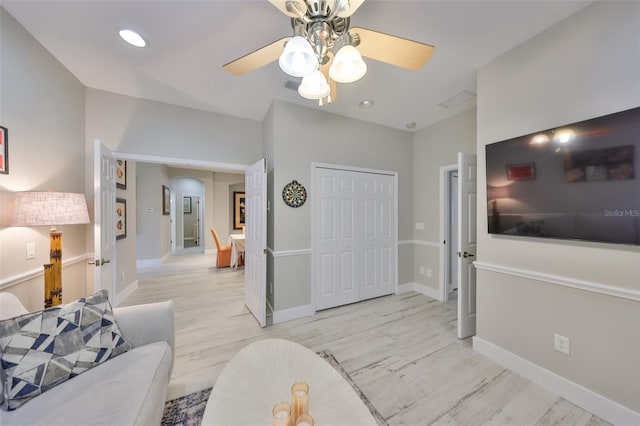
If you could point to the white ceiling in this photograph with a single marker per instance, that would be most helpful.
(189, 41)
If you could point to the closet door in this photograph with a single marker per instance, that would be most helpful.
(354, 236)
(376, 203)
(335, 242)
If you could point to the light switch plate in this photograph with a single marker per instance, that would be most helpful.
(31, 251)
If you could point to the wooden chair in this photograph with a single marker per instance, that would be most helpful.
(224, 252)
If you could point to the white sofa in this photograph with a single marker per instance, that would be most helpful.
(129, 389)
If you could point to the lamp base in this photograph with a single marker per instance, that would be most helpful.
(53, 271)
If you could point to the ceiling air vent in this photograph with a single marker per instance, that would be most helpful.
(457, 99)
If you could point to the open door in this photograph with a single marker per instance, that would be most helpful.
(104, 230)
(467, 200)
(255, 267)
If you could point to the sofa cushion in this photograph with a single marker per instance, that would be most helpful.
(46, 348)
(127, 390)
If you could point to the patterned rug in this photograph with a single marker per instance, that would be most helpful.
(188, 410)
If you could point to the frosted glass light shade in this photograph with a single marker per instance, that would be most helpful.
(348, 65)
(314, 86)
(49, 209)
(298, 58)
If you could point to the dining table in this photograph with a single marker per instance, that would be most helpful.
(236, 241)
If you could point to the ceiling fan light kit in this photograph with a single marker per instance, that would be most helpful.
(322, 38)
(298, 58)
(348, 65)
(314, 86)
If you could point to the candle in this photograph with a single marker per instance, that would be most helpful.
(300, 398)
(304, 420)
(281, 414)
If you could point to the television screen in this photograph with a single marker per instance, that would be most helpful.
(580, 181)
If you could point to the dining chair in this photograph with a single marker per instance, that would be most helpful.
(224, 252)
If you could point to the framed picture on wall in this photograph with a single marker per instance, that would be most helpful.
(238, 210)
(186, 205)
(121, 174)
(166, 200)
(4, 150)
(121, 218)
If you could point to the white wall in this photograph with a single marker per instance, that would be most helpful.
(583, 67)
(42, 106)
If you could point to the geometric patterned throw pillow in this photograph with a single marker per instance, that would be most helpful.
(43, 349)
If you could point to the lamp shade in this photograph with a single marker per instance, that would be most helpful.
(314, 86)
(49, 209)
(496, 192)
(348, 65)
(298, 58)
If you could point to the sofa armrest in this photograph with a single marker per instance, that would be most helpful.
(143, 324)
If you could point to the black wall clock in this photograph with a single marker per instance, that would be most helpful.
(294, 194)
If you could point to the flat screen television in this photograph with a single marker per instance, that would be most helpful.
(580, 181)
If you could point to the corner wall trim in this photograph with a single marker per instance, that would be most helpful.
(293, 313)
(35, 273)
(608, 290)
(120, 297)
(284, 253)
(419, 288)
(593, 402)
(419, 243)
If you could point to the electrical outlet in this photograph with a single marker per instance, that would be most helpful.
(428, 273)
(420, 226)
(562, 344)
(422, 270)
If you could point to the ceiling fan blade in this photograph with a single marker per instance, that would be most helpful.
(324, 69)
(353, 6)
(292, 8)
(393, 50)
(256, 59)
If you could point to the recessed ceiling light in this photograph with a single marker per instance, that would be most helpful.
(365, 103)
(410, 125)
(133, 38)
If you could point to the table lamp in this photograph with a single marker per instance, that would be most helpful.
(50, 209)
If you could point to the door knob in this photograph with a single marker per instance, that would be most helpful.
(467, 254)
(105, 261)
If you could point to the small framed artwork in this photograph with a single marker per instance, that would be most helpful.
(4, 150)
(521, 171)
(238, 210)
(121, 218)
(186, 205)
(166, 200)
(121, 174)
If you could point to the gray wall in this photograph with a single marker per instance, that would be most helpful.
(303, 136)
(585, 66)
(433, 147)
(42, 106)
(153, 230)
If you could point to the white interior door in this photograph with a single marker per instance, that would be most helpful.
(376, 211)
(335, 244)
(104, 199)
(255, 268)
(467, 200)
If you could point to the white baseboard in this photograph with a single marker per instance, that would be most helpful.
(591, 401)
(420, 288)
(293, 313)
(120, 297)
(148, 263)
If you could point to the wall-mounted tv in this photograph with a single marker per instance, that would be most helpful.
(580, 181)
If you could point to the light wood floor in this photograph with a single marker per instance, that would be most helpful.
(401, 350)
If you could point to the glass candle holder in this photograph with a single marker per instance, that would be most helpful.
(300, 399)
(304, 420)
(281, 414)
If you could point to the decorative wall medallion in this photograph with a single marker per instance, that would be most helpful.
(294, 194)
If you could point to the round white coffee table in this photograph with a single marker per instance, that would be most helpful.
(262, 373)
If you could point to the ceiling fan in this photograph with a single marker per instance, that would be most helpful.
(323, 50)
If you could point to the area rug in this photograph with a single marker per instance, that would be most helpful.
(188, 410)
